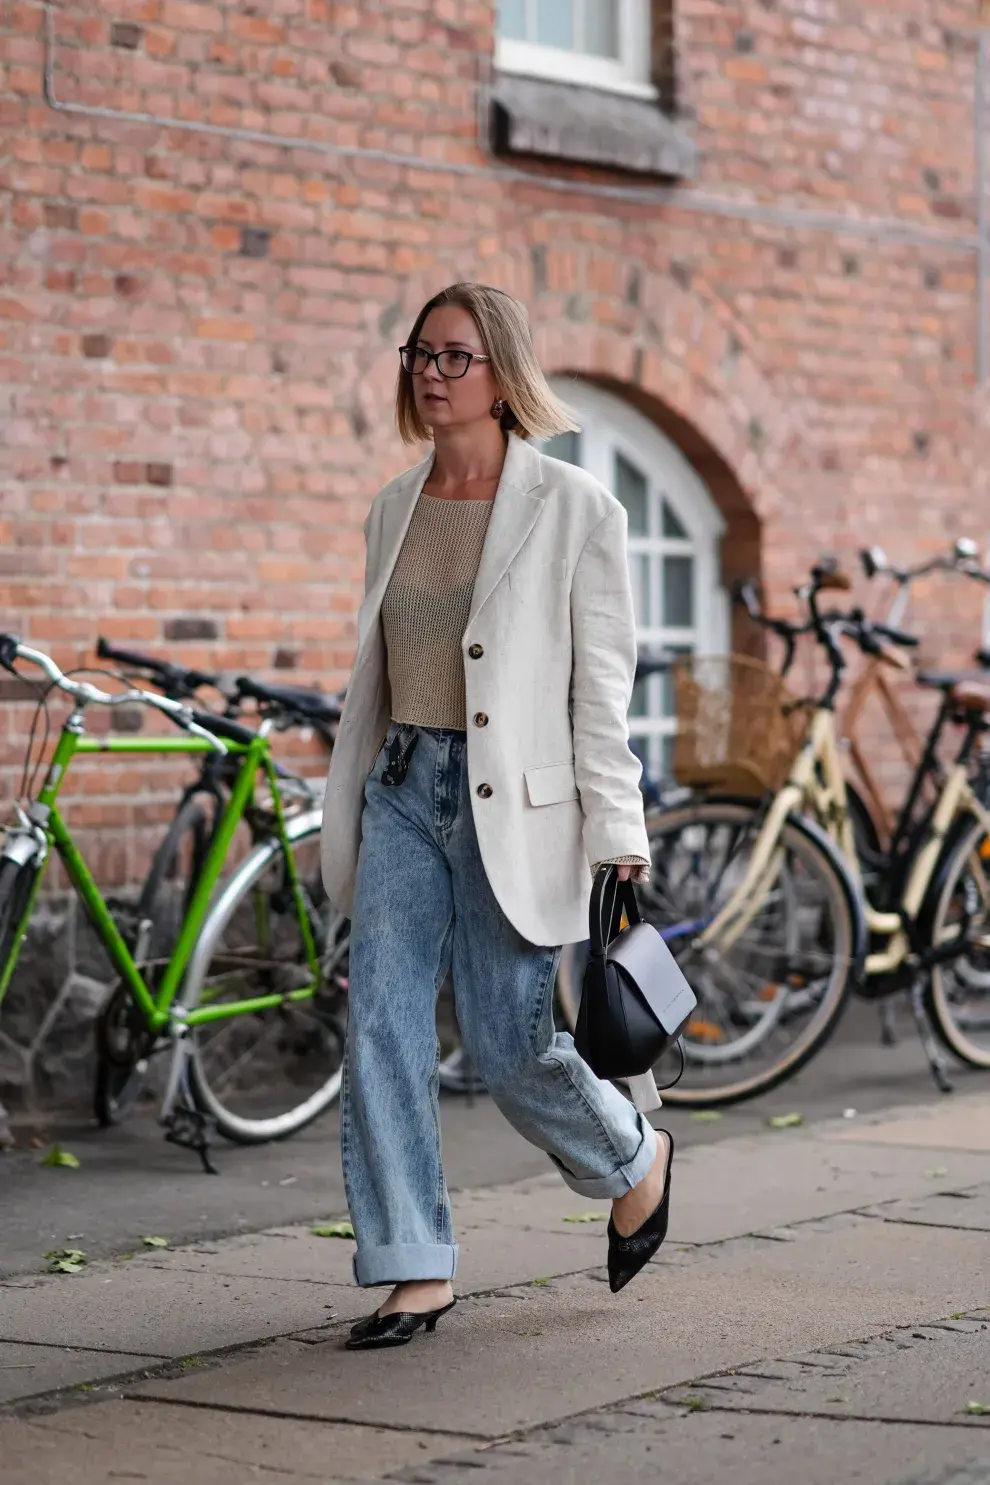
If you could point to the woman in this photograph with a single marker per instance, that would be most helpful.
(481, 772)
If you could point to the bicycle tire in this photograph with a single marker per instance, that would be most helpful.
(16, 881)
(962, 855)
(238, 1127)
(119, 1079)
(814, 847)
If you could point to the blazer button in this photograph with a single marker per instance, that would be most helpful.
(485, 790)
(480, 719)
(476, 652)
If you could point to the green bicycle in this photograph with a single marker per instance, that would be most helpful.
(251, 1002)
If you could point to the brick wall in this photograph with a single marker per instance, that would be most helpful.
(198, 330)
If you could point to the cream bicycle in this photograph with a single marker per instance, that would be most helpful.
(757, 885)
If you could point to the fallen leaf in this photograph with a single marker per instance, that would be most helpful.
(65, 1260)
(155, 1242)
(541, 1282)
(707, 1116)
(977, 1409)
(785, 1121)
(57, 1156)
(334, 1229)
(586, 1217)
(936, 1170)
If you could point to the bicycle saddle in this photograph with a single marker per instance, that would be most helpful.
(972, 696)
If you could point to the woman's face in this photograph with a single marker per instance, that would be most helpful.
(448, 402)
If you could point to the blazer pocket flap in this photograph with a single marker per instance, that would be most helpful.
(551, 783)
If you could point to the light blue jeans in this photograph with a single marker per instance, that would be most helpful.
(423, 904)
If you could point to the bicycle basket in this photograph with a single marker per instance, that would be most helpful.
(738, 726)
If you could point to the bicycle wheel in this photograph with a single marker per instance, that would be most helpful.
(16, 881)
(770, 999)
(264, 1074)
(959, 991)
(123, 1045)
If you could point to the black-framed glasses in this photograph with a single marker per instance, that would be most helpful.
(451, 364)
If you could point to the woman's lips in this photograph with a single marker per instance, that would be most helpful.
(433, 397)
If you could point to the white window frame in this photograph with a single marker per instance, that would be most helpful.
(610, 426)
(629, 73)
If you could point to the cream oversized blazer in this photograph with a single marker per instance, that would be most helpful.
(549, 656)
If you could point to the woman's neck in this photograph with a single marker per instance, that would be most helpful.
(467, 456)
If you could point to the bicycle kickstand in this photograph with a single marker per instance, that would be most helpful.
(933, 1052)
(185, 1125)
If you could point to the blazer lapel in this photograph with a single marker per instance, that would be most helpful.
(396, 517)
(513, 518)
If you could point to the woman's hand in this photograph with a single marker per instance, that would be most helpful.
(625, 872)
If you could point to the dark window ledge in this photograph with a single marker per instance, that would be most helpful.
(563, 121)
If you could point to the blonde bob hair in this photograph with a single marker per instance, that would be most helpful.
(531, 409)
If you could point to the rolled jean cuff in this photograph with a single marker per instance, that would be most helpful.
(398, 1262)
(621, 1180)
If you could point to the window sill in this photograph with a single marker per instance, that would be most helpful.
(576, 68)
(590, 126)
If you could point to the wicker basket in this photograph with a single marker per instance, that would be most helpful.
(738, 726)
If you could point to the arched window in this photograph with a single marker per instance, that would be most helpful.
(675, 529)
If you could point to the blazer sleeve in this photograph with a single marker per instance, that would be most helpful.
(604, 666)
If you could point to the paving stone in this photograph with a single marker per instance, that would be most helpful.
(533, 1354)
(120, 1307)
(27, 1370)
(765, 1183)
(959, 1123)
(944, 1209)
(702, 1448)
(121, 1440)
(922, 1375)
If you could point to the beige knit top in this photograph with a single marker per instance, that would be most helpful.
(426, 608)
(425, 612)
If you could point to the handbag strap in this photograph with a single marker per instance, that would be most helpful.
(609, 897)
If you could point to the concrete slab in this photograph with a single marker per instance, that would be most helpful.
(925, 1375)
(123, 1308)
(507, 1236)
(959, 1123)
(532, 1355)
(753, 1185)
(121, 1440)
(701, 1448)
(27, 1370)
(947, 1209)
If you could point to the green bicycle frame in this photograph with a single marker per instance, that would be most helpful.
(156, 1008)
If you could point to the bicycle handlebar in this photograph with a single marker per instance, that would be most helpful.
(169, 674)
(11, 649)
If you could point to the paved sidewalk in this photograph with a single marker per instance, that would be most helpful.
(821, 1310)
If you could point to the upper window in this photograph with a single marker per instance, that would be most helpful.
(600, 43)
(674, 533)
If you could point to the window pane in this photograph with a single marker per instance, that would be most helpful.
(630, 488)
(566, 446)
(601, 28)
(555, 23)
(512, 19)
(639, 572)
(672, 525)
(678, 597)
(639, 706)
(667, 708)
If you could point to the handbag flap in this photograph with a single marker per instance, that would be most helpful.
(647, 963)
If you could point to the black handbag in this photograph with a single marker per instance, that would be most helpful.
(635, 999)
